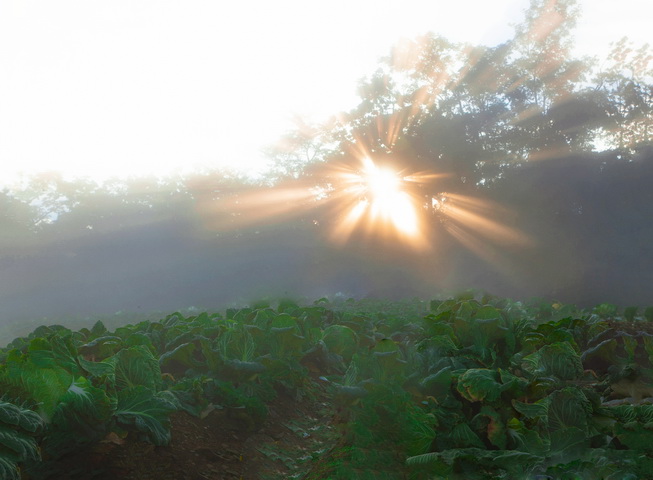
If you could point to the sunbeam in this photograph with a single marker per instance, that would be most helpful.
(377, 200)
(469, 220)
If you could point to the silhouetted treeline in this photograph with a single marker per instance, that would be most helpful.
(509, 131)
(589, 217)
(473, 112)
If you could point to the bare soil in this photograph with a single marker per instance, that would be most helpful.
(295, 436)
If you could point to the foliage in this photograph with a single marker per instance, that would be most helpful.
(474, 111)
(18, 428)
(468, 387)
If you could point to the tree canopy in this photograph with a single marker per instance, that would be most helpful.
(471, 111)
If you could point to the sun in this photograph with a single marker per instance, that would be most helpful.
(389, 203)
(377, 199)
(383, 184)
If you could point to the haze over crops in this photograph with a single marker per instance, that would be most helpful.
(504, 160)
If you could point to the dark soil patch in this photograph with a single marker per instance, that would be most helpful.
(296, 433)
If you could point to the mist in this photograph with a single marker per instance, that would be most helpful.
(588, 219)
(517, 170)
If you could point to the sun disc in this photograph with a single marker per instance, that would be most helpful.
(383, 184)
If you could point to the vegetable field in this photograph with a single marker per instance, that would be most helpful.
(472, 387)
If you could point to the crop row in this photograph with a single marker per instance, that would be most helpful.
(468, 388)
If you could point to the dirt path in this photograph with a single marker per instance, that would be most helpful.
(294, 436)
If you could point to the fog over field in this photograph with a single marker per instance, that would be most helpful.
(518, 168)
(586, 220)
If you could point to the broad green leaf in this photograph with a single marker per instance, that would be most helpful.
(139, 338)
(350, 378)
(513, 384)
(418, 429)
(634, 436)
(511, 458)
(446, 306)
(284, 336)
(9, 413)
(287, 305)
(43, 386)
(8, 469)
(80, 417)
(601, 356)
(463, 463)
(436, 327)
(101, 347)
(489, 421)
(465, 309)
(98, 329)
(444, 343)
(558, 359)
(237, 343)
(136, 366)
(648, 314)
(147, 411)
(569, 443)
(479, 384)
(189, 396)
(348, 395)
(99, 372)
(539, 409)
(384, 346)
(182, 355)
(644, 413)
(248, 367)
(630, 313)
(65, 354)
(630, 344)
(283, 320)
(82, 395)
(605, 310)
(569, 407)
(437, 384)
(464, 437)
(259, 335)
(487, 312)
(341, 340)
(527, 440)
(263, 318)
(17, 445)
(23, 418)
(648, 346)
(623, 413)
(181, 336)
(388, 359)
(436, 462)
(491, 329)
(211, 356)
(40, 353)
(239, 371)
(557, 332)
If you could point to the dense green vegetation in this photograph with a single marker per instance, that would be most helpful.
(469, 387)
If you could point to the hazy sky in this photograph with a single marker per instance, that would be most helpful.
(101, 88)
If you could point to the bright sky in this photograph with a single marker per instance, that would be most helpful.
(129, 87)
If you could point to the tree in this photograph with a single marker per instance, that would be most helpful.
(470, 112)
(626, 84)
(300, 147)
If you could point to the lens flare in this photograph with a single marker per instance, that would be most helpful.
(378, 202)
(383, 184)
